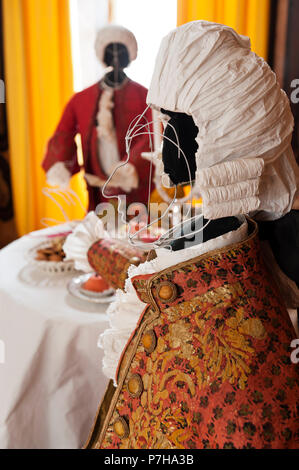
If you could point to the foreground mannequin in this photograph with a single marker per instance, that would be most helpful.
(203, 336)
(102, 114)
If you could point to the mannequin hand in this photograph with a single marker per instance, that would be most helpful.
(125, 177)
(93, 180)
(97, 182)
(58, 175)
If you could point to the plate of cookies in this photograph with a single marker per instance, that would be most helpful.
(50, 257)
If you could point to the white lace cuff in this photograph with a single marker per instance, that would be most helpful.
(58, 175)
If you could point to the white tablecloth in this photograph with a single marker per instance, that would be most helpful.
(51, 380)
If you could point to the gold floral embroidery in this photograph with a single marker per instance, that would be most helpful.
(226, 355)
(218, 297)
(226, 350)
(253, 327)
(178, 376)
(180, 336)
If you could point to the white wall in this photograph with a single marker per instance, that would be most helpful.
(150, 21)
(86, 17)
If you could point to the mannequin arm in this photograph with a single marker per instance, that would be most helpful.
(60, 161)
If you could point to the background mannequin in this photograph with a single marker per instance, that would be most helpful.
(101, 115)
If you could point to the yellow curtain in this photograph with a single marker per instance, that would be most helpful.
(38, 75)
(248, 17)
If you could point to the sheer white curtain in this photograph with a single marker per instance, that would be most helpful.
(86, 16)
(149, 20)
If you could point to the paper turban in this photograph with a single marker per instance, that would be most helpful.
(208, 71)
(115, 33)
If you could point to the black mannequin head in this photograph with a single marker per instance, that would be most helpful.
(186, 132)
(116, 55)
(177, 170)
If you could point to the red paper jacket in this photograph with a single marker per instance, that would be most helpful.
(79, 116)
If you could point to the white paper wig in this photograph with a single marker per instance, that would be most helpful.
(115, 33)
(244, 159)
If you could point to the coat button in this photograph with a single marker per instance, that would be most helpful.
(167, 291)
(121, 428)
(135, 260)
(135, 386)
(149, 341)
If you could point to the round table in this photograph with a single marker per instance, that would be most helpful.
(50, 366)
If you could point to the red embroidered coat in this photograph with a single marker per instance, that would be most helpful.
(209, 364)
(79, 116)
